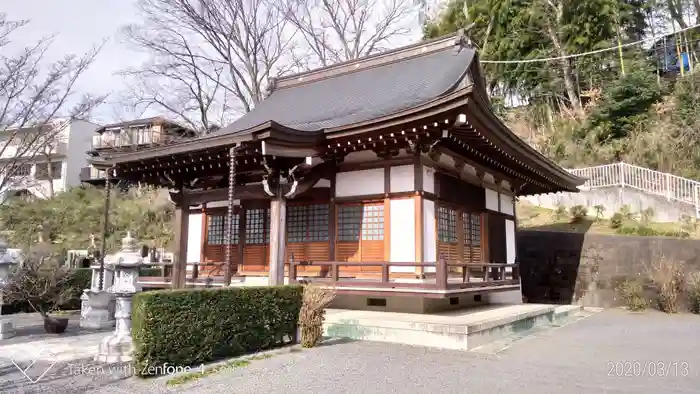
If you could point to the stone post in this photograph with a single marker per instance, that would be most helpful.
(6, 263)
(118, 347)
(97, 306)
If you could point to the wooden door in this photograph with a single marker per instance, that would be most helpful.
(360, 235)
(471, 223)
(256, 253)
(448, 240)
(307, 235)
(215, 244)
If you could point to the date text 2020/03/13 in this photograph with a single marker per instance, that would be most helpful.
(648, 368)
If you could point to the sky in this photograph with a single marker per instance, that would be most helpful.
(79, 25)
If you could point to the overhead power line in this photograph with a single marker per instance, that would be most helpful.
(575, 55)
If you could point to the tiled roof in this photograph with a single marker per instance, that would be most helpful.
(363, 90)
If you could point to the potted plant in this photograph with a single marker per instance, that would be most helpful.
(44, 284)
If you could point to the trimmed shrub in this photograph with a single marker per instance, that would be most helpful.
(632, 294)
(145, 271)
(189, 327)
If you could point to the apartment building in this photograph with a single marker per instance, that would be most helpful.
(42, 161)
(129, 136)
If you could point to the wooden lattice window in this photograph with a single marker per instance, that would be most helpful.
(372, 222)
(364, 222)
(349, 222)
(216, 229)
(257, 223)
(447, 224)
(307, 223)
(471, 223)
(475, 232)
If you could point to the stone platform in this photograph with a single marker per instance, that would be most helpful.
(464, 329)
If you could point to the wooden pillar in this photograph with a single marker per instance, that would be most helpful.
(332, 217)
(418, 204)
(182, 219)
(278, 231)
(241, 236)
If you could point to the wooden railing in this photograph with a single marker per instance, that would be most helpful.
(437, 276)
(444, 276)
(212, 278)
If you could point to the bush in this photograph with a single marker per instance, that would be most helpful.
(560, 212)
(646, 216)
(578, 213)
(189, 327)
(313, 313)
(599, 210)
(80, 280)
(693, 289)
(632, 294)
(667, 276)
(616, 220)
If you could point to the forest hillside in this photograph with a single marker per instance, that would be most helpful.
(635, 99)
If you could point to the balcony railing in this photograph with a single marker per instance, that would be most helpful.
(129, 138)
(91, 174)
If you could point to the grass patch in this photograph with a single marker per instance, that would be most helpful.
(233, 364)
(532, 217)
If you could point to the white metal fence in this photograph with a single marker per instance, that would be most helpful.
(654, 182)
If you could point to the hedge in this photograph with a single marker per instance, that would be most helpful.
(193, 326)
(146, 271)
(81, 280)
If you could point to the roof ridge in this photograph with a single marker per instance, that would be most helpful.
(379, 59)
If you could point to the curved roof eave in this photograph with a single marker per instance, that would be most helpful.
(538, 157)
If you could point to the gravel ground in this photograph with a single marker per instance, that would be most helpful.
(578, 358)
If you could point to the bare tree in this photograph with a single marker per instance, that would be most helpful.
(35, 99)
(208, 56)
(340, 30)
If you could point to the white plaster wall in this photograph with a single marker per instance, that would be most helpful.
(359, 183)
(429, 240)
(510, 241)
(507, 204)
(79, 142)
(491, 199)
(194, 238)
(402, 233)
(402, 179)
(428, 179)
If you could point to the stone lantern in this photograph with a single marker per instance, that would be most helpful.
(118, 347)
(7, 262)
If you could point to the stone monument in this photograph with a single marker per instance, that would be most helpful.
(7, 261)
(118, 347)
(97, 305)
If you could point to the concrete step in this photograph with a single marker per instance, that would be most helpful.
(565, 316)
(459, 330)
